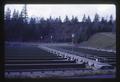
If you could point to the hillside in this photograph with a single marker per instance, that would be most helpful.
(106, 40)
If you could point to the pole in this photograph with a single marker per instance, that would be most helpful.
(72, 44)
(41, 38)
(51, 38)
(73, 35)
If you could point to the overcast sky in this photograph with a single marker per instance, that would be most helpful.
(56, 10)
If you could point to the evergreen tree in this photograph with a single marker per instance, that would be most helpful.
(84, 18)
(96, 24)
(66, 20)
(103, 23)
(88, 20)
(74, 19)
(24, 13)
(111, 24)
(111, 19)
(8, 14)
(15, 14)
(96, 19)
(18, 29)
(7, 24)
(103, 20)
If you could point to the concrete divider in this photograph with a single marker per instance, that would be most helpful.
(70, 56)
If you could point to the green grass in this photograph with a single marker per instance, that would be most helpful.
(105, 40)
(27, 51)
(93, 52)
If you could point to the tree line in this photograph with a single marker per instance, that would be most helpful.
(18, 27)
